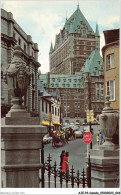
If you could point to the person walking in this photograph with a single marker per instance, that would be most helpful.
(103, 138)
(61, 158)
(65, 165)
(100, 138)
(66, 137)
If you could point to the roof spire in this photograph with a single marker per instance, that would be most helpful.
(51, 48)
(97, 30)
(78, 5)
(66, 15)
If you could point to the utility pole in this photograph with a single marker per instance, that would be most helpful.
(60, 106)
(89, 104)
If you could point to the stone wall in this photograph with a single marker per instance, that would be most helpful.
(13, 34)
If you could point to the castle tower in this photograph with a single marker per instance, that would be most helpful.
(73, 44)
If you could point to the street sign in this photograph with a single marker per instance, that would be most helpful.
(50, 116)
(90, 115)
(87, 138)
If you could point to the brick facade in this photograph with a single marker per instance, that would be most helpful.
(73, 45)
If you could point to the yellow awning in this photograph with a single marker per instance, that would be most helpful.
(50, 124)
(56, 123)
(46, 123)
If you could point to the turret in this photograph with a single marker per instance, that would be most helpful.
(97, 38)
(51, 48)
(97, 30)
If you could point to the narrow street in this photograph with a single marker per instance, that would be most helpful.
(77, 152)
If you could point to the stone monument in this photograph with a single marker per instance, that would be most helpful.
(21, 134)
(105, 157)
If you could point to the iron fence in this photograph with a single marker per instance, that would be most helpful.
(67, 179)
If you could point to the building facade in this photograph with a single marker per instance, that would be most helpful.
(71, 93)
(77, 90)
(93, 76)
(49, 107)
(111, 66)
(73, 45)
(12, 34)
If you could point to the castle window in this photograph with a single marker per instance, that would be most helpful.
(84, 31)
(85, 47)
(94, 73)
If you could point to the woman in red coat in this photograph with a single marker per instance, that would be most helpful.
(65, 165)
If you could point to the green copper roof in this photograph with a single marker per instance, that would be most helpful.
(77, 20)
(62, 80)
(51, 48)
(97, 30)
(92, 64)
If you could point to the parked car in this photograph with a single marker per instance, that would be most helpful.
(47, 139)
(79, 134)
(87, 129)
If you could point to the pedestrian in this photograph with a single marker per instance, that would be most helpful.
(65, 165)
(100, 138)
(103, 138)
(66, 137)
(61, 158)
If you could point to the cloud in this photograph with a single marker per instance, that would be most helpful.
(102, 42)
(44, 19)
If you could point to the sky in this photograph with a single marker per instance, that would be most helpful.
(44, 19)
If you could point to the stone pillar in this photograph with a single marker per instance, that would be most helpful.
(21, 141)
(21, 135)
(105, 158)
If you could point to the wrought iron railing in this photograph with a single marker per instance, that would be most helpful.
(68, 179)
